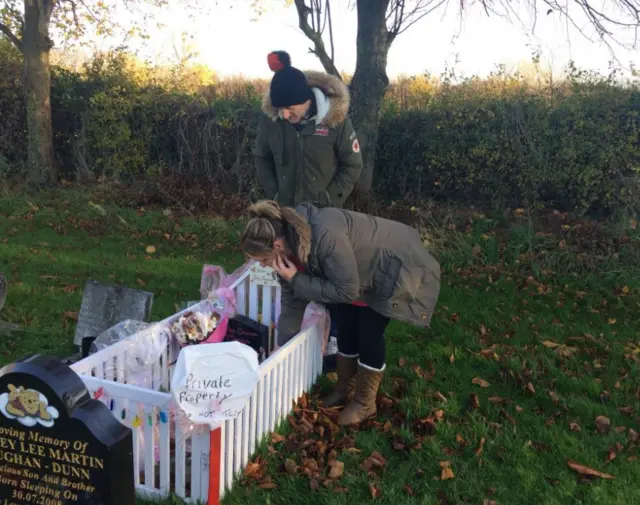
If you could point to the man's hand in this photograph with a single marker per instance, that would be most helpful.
(285, 269)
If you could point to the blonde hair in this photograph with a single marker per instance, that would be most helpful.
(269, 222)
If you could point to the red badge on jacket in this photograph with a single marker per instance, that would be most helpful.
(323, 131)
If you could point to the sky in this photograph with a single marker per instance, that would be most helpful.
(228, 41)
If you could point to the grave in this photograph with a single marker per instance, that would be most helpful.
(104, 305)
(58, 446)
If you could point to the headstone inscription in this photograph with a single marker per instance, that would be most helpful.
(58, 446)
(104, 305)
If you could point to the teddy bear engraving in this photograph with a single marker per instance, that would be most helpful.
(26, 402)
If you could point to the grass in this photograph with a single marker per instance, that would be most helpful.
(545, 315)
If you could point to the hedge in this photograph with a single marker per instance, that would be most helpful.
(500, 142)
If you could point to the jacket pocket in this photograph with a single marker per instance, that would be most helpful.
(386, 276)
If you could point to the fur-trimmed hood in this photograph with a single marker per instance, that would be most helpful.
(298, 231)
(332, 97)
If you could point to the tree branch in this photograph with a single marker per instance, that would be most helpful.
(315, 36)
(11, 36)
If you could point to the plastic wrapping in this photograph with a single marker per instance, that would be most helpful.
(317, 314)
(116, 333)
(214, 278)
(136, 352)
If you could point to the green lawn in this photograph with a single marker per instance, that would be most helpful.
(535, 337)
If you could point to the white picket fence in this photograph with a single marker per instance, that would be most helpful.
(159, 470)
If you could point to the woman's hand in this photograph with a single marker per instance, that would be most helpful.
(285, 269)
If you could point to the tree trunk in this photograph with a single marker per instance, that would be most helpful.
(36, 47)
(369, 83)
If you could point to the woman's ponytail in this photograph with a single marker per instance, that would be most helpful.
(269, 222)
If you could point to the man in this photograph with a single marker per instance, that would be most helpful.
(306, 148)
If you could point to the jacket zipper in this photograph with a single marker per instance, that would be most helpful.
(298, 190)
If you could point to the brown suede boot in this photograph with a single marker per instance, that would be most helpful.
(363, 405)
(347, 369)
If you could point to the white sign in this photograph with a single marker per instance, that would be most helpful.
(263, 276)
(212, 383)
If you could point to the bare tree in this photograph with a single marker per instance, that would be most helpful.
(380, 22)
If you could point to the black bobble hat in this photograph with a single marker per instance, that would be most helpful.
(289, 85)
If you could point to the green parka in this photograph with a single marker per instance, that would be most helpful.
(351, 256)
(322, 162)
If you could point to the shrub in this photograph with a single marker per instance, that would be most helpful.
(502, 141)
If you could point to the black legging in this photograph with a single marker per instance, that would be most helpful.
(360, 331)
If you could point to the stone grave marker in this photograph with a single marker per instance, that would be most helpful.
(104, 305)
(58, 446)
(5, 327)
(3, 289)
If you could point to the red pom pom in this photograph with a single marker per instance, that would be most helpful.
(274, 62)
(278, 60)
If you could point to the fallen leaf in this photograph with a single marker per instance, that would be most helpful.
(574, 426)
(291, 466)
(480, 382)
(268, 485)
(337, 470)
(634, 436)
(478, 450)
(375, 461)
(409, 490)
(611, 455)
(71, 315)
(150, 249)
(447, 474)
(439, 415)
(440, 396)
(311, 464)
(252, 469)
(487, 501)
(626, 410)
(375, 491)
(445, 464)
(498, 400)
(314, 484)
(461, 441)
(585, 470)
(70, 288)
(141, 282)
(530, 388)
(452, 358)
(402, 362)
(603, 424)
(474, 402)
(276, 438)
(554, 397)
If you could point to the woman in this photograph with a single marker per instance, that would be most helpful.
(367, 269)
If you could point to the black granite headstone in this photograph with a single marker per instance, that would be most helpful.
(59, 446)
(105, 305)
